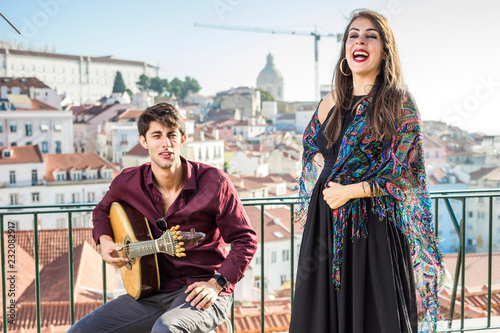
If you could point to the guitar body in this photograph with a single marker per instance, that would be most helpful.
(140, 276)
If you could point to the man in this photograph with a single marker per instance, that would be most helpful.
(195, 290)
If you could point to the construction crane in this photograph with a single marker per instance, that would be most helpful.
(317, 36)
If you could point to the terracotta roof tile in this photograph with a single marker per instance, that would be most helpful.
(138, 150)
(475, 302)
(131, 114)
(476, 267)
(276, 223)
(25, 264)
(53, 243)
(21, 82)
(79, 161)
(481, 173)
(21, 154)
(87, 265)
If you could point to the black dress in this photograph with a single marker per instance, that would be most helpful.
(377, 292)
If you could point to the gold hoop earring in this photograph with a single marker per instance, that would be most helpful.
(341, 68)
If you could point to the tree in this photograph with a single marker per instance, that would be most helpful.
(192, 85)
(143, 83)
(178, 88)
(159, 85)
(119, 85)
(265, 95)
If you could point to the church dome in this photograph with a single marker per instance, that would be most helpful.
(270, 74)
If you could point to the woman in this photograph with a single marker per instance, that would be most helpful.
(369, 260)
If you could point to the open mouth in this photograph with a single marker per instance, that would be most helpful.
(360, 55)
(166, 154)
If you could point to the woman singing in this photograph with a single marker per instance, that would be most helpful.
(369, 261)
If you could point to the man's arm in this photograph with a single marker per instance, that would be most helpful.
(235, 229)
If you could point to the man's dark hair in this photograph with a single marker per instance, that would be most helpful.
(164, 113)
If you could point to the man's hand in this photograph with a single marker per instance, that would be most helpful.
(110, 250)
(203, 294)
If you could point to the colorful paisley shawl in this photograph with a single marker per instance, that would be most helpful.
(396, 168)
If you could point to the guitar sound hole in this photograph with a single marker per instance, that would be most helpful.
(126, 248)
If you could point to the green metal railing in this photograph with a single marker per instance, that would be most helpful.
(71, 209)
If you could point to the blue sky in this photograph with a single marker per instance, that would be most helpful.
(449, 49)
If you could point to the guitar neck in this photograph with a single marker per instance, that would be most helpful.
(144, 248)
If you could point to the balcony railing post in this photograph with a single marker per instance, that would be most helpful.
(462, 293)
(71, 269)
(262, 281)
(37, 274)
(436, 217)
(292, 255)
(104, 283)
(490, 246)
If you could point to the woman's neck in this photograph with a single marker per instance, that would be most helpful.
(362, 85)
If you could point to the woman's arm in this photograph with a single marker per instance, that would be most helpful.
(336, 195)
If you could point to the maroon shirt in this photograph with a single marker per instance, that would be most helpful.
(208, 202)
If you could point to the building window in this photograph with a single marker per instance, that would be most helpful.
(58, 147)
(273, 257)
(34, 177)
(480, 200)
(13, 126)
(257, 282)
(200, 154)
(14, 199)
(257, 260)
(283, 278)
(75, 197)
(90, 196)
(471, 214)
(45, 147)
(44, 126)
(12, 177)
(480, 215)
(35, 197)
(124, 138)
(29, 129)
(1, 127)
(207, 154)
(286, 255)
(57, 126)
(59, 198)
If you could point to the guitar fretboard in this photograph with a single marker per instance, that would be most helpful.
(140, 249)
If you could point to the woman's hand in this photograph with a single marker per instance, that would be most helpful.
(336, 195)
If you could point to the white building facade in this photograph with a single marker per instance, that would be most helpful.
(80, 78)
(51, 130)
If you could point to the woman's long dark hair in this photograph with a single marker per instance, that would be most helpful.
(388, 87)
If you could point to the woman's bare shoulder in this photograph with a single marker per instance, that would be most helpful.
(324, 108)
